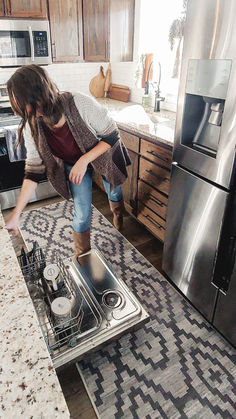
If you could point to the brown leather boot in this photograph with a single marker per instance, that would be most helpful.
(117, 209)
(81, 242)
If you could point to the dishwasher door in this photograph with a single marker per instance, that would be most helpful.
(101, 306)
(194, 222)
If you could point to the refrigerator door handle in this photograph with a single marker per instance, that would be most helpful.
(225, 267)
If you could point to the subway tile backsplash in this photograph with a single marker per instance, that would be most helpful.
(76, 77)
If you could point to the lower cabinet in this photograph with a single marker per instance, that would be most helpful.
(152, 221)
(152, 199)
(153, 186)
(146, 189)
(155, 175)
(129, 188)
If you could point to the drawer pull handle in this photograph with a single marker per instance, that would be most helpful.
(157, 176)
(152, 198)
(156, 224)
(156, 155)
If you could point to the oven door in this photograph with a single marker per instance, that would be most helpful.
(24, 42)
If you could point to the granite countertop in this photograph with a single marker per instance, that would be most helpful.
(29, 386)
(157, 126)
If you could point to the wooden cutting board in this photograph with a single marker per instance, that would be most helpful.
(96, 85)
(107, 80)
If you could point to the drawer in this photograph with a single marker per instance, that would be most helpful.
(155, 175)
(154, 223)
(156, 153)
(130, 141)
(149, 197)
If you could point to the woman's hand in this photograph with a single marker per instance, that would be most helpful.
(12, 223)
(78, 170)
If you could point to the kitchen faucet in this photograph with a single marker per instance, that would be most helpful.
(156, 86)
(146, 91)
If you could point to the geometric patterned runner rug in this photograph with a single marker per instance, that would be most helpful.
(175, 366)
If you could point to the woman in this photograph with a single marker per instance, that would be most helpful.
(67, 136)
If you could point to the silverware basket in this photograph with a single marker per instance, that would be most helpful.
(56, 333)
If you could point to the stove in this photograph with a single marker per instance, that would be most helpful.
(8, 119)
(102, 306)
(12, 169)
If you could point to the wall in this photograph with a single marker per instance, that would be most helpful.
(76, 76)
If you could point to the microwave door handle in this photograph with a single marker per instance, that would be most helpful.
(31, 42)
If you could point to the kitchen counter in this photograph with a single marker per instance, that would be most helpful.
(29, 386)
(157, 126)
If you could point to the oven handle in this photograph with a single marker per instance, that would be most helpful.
(31, 42)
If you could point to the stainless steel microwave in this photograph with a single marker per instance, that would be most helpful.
(24, 42)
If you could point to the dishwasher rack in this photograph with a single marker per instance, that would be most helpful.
(84, 318)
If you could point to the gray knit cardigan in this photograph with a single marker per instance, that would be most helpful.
(112, 164)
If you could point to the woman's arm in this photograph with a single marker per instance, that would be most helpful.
(78, 170)
(97, 118)
(27, 190)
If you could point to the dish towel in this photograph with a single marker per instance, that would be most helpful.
(16, 152)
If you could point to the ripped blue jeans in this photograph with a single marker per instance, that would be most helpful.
(82, 197)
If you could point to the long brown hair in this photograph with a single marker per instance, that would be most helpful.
(31, 85)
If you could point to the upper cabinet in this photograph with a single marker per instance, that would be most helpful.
(108, 30)
(96, 30)
(66, 30)
(82, 30)
(24, 8)
(2, 8)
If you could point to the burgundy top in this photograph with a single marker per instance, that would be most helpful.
(62, 143)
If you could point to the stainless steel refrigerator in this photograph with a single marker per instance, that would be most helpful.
(200, 238)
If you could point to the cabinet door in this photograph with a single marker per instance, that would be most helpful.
(30, 8)
(2, 8)
(157, 153)
(122, 29)
(154, 175)
(96, 30)
(154, 200)
(153, 222)
(129, 188)
(130, 141)
(66, 29)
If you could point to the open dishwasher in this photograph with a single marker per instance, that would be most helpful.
(80, 303)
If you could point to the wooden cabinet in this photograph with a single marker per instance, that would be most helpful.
(153, 186)
(66, 30)
(130, 141)
(96, 30)
(156, 153)
(129, 187)
(153, 222)
(21, 8)
(146, 189)
(108, 30)
(2, 8)
(152, 199)
(155, 175)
